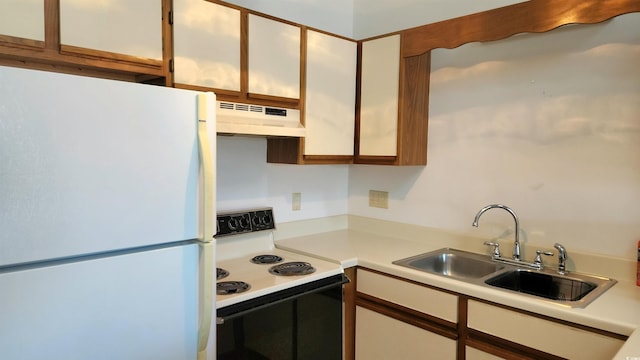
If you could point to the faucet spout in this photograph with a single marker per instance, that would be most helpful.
(516, 243)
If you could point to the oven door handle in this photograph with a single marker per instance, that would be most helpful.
(223, 319)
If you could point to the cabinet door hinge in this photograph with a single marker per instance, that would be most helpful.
(170, 65)
(170, 17)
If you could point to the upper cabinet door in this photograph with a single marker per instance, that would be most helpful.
(274, 58)
(330, 95)
(206, 44)
(118, 26)
(22, 18)
(379, 97)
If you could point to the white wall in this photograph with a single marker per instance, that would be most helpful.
(548, 124)
(245, 180)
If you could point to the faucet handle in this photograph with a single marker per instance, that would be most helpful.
(538, 259)
(495, 253)
(562, 258)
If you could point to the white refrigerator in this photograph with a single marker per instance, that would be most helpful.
(107, 206)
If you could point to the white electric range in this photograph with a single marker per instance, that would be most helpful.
(245, 253)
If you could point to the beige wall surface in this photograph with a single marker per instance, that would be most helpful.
(548, 124)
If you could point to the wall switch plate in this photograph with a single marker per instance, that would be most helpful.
(295, 201)
(379, 199)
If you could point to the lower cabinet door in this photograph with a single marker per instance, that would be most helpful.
(382, 337)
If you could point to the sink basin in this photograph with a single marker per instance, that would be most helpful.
(548, 286)
(453, 263)
(573, 289)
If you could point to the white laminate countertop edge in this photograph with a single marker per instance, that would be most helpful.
(616, 310)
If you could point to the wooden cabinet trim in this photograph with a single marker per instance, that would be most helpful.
(413, 109)
(167, 41)
(534, 16)
(18, 42)
(463, 334)
(409, 316)
(99, 55)
(349, 298)
(52, 24)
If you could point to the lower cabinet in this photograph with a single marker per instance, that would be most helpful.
(397, 319)
(392, 318)
(382, 337)
(552, 337)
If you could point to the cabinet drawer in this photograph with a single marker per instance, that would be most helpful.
(548, 336)
(416, 297)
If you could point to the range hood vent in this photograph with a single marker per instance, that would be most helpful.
(258, 120)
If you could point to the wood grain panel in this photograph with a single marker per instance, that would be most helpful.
(413, 125)
(531, 16)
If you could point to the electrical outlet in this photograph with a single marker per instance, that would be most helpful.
(295, 201)
(379, 199)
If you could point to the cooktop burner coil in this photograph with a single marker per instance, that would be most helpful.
(221, 273)
(292, 268)
(231, 287)
(266, 259)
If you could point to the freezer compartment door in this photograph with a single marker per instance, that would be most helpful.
(90, 165)
(135, 306)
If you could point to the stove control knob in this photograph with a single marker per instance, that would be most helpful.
(233, 223)
(244, 223)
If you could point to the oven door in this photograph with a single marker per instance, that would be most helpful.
(304, 322)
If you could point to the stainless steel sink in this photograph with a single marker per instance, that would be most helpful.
(571, 289)
(454, 263)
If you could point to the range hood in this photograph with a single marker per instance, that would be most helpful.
(257, 120)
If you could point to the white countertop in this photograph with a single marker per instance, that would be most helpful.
(617, 310)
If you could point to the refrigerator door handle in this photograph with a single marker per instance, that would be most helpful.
(206, 160)
(208, 213)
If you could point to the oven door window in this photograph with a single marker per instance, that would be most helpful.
(307, 326)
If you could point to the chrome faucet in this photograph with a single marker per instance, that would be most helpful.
(516, 244)
(562, 258)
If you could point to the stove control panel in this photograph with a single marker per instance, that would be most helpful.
(239, 222)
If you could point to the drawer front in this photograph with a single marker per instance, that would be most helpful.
(548, 336)
(416, 297)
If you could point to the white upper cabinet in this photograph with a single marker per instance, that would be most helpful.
(379, 97)
(206, 44)
(118, 26)
(274, 58)
(330, 95)
(22, 18)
